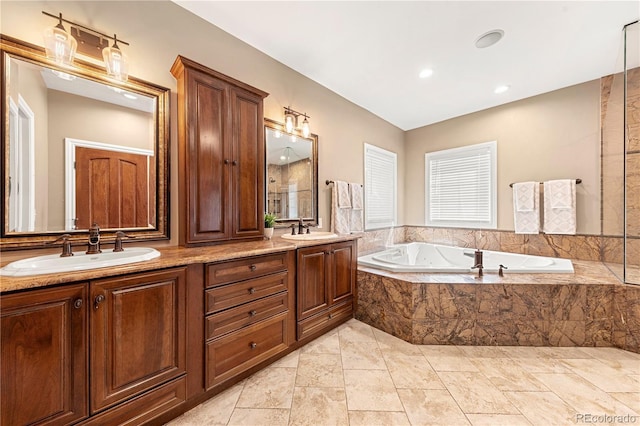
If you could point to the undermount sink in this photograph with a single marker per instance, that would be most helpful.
(51, 264)
(312, 236)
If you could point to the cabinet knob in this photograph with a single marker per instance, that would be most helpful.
(253, 267)
(234, 162)
(330, 315)
(253, 345)
(253, 313)
(252, 290)
(226, 161)
(98, 300)
(77, 303)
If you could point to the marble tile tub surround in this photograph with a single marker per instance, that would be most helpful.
(580, 247)
(588, 308)
(359, 375)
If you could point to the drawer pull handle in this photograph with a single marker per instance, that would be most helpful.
(77, 304)
(253, 267)
(330, 316)
(253, 313)
(252, 290)
(253, 345)
(98, 300)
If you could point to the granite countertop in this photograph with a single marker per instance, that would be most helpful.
(169, 257)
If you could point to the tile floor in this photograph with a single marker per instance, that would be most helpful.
(358, 375)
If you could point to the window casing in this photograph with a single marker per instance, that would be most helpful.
(460, 187)
(380, 184)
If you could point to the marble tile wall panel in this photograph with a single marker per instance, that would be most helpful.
(426, 302)
(632, 311)
(632, 207)
(619, 333)
(611, 249)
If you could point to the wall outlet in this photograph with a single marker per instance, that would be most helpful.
(319, 223)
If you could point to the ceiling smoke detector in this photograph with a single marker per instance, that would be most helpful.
(489, 38)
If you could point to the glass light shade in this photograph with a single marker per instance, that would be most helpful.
(306, 131)
(289, 122)
(60, 45)
(116, 62)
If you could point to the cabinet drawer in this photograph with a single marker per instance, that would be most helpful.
(250, 313)
(228, 296)
(325, 320)
(239, 351)
(236, 270)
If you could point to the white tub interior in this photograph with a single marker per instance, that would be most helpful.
(427, 257)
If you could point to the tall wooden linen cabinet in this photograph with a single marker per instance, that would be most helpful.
(221, 156)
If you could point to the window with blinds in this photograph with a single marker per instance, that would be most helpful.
(380, 184)
(460, 187)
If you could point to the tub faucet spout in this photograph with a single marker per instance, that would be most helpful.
(478, 262)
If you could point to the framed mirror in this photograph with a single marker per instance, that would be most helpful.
(78, 148)
(291, 174)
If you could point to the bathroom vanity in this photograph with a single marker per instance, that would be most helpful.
(145, 342)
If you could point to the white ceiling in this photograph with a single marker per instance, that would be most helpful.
(371, 52)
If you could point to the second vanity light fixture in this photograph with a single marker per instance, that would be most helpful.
(291, 121)
(61, 47)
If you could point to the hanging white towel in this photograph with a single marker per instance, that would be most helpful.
(526, 207)
(357, 221)
(560, 207)
(344, 198)
(340, 217)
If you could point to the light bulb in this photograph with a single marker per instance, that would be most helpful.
(305, 128)
(60, 45)
(289, 122)
(116, 62)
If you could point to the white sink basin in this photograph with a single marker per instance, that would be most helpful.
(312, 236)
(53, 263)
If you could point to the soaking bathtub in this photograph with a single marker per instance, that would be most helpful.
(427, 257)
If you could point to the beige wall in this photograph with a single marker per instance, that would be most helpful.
(158, 31)
(551, 136)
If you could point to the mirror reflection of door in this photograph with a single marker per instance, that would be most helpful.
(21, 179)
(110, 187)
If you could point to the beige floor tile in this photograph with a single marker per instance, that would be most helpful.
(378, 418)
(630, 399)
(392, 345)
(543, 408)
(607, 378)
(269, 388)
(483, 352)
(431, 407)
(216, 411)
(412, 372)
(371, 390)
(259, 416)
(581, 395)
(564, 352)
(356, 331)
(447, 358)
(506, 375)
(325, 344)
(289, 361)
(474, 393)
(616, 358)
(362, 355)
(498, 419)
(441, 350)
(320, 370)
(541, 365)
(319, 406)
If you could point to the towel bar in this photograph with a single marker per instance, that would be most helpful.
(511, 184)
(328, 182)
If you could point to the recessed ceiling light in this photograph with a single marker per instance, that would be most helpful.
(489, 38)
(501, 89)
(427, 72)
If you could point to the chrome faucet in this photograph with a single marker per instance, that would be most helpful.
(93, 246)
(477, 260)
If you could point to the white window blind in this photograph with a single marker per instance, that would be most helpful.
(380, 184)
(461, 187)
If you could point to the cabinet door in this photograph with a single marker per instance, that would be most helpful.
(137, 334)
(208, 159)
(343, 272)
(313, 271)
(44, 356)
(247, 166)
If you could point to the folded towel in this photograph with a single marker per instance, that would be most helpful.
(524, 194)
(340, 217)
(344, 199)
(560, 207)
(526, 221)
(356, 196)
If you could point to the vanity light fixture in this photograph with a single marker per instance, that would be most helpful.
(291, 121)
(61, 46)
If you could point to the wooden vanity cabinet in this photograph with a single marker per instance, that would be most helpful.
(105, 352)
(326, 286)
(44, 356)
(221, 156)
(249, 314)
